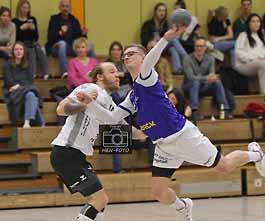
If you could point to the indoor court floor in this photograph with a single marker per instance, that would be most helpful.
(221, 209)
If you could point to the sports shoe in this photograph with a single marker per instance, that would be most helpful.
(260, 165)
(186, 212)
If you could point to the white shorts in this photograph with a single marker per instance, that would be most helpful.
(188, 145)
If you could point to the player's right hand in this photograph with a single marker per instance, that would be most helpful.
(86, 98)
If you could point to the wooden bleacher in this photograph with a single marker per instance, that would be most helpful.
(24, 159)
(207, 108)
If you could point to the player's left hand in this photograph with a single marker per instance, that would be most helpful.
(171, 33)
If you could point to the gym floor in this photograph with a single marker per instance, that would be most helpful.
(221, 209)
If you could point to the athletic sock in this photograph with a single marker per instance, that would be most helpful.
(87, 213)
(81, 217)
(99, 217)
(179, 204)
(254, 156)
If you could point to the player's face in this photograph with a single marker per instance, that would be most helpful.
(110, 77)
(133, 57)
(254, 24)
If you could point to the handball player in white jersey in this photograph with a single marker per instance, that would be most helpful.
(177, 139)
(77, 137)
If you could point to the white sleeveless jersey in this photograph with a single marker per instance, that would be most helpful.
(81, 130)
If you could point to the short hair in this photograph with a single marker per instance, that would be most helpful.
(199, 38)
(242, 1)
(19, 6)
(79, 41)
(94, 73)
(139, 46)
(181, 3)
(221, 11)
(4, 9)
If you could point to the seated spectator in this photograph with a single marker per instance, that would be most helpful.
(250, 51)
(21, 96)
(115, 56)
(79, 67)
(177, 98)
(63, 29)
(27, 32)
(239, 25)
(163, 69)
(155, 28)
(200, 79)
(220, 32)
(192, 31)
(7, 32)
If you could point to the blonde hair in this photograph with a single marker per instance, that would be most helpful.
(80, 41)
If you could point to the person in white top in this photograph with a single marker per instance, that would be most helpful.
(250, 51)
(77, 137)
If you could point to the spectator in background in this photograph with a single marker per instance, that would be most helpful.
(191, 32)
(7, 32)
(177, 98)
(200, 79)
(79, 67)
(220, 31)
(250, 51)
(155, 28)
(239, 25)
(27, 32)
(115, 56)
(180, 4)
(21, 96)
(263, 21)
(163, 69)
(63, 29)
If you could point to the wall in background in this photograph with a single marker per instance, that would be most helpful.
(122, 19)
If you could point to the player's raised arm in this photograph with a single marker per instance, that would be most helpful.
(154, 54)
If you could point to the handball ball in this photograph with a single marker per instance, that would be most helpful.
(180, 17)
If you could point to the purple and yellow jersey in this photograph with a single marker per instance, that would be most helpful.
(156, 116)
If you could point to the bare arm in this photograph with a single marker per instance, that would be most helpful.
(153, 56)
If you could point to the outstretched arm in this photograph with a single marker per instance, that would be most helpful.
(154, 54)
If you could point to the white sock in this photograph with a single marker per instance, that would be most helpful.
(81, 217)
(178, 204)
(99, 217)
(254, 156)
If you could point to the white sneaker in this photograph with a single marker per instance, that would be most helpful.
(26, 125)
(46, 77)
(64, 75)
(186, 212)
(260, 165)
